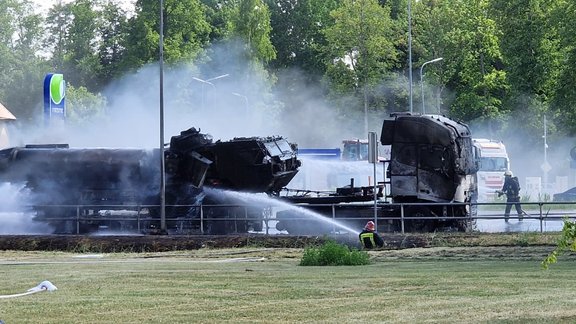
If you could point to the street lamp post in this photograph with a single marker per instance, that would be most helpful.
(210, 83)
(162, 164)
(245, 101)
(422, 79)
(410, 54)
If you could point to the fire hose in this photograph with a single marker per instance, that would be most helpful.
(43, 286)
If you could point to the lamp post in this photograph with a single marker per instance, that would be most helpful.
(410, 53)
(545, 166)
(210, 83)
(245, 101)
(422, 80)
(162, 164)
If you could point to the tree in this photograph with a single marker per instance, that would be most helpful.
(530, 45)
(251, 23)
(83, 108)
(472, 66)
(186, 32)
(564, 98)
(113, 30)
(22, 69)
(360, 51)
(218, 15)
(57, 24)
(73, 40)
(297, 34)
(81, 64)
(533, 60)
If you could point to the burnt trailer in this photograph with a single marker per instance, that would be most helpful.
(430, 186)
(80, 190)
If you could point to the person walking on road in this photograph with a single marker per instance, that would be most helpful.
(511, 189)
(369, 237)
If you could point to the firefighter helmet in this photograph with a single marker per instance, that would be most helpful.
(369, 226)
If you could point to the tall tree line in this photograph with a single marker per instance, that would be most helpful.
(503, 60)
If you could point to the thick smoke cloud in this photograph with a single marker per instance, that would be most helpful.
(240, 103)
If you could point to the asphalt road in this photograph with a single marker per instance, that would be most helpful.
(492, 221)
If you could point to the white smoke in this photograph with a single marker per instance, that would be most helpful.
(15, 215)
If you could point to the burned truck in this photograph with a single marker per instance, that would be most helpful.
(81, 190)
(430, 183)
(433, 166)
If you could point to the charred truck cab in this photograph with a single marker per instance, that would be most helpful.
(432, 163)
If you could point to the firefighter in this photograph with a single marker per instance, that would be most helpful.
(511, 188)
(369, 237)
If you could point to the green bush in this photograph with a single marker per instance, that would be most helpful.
(333, 254)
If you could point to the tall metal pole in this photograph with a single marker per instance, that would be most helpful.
(162, 166)
(422, 80)
(373, 158)
(546, 165)
(410, 52)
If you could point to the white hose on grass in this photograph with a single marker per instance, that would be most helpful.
(43, 286)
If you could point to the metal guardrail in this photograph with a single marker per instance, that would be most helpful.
(540, 211)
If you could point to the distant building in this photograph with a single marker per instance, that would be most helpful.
(5, 117)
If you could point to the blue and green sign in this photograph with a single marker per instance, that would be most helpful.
(54, 97)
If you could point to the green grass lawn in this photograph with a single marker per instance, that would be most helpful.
(268, 286)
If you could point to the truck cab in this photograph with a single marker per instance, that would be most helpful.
(494, 161)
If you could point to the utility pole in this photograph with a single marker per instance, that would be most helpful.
(410, 53)
(545, 166)
(162, 166)
(422, 80)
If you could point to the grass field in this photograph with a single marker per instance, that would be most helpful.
(459, 285)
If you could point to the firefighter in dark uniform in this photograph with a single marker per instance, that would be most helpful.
(369, 237)
(511, 189)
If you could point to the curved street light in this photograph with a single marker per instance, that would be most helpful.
(210, 83)
(245, 101)
(422, 80)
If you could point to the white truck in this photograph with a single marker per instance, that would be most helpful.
(494, 161)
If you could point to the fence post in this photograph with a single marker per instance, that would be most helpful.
(402, 217)
(470, 221)
(202, 219)
(138, 219)
(541, 217)
(77, 219)
(333, 218)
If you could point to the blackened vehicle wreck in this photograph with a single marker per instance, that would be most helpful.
(81, 190)
(430, 183)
